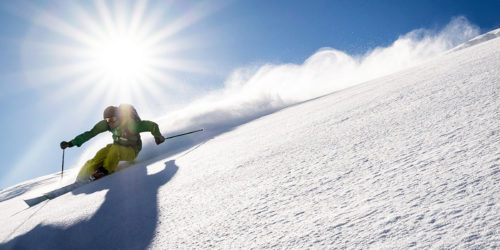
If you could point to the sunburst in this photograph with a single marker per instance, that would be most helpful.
(114, 53)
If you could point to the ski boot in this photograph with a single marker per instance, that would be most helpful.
(100, 172)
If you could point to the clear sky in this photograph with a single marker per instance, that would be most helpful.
(62, 63)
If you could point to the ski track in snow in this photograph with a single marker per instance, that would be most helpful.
(410, 160)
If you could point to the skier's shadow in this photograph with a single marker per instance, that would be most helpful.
(127, 218)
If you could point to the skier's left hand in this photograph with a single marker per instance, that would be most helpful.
(159, 140)
(65, 144)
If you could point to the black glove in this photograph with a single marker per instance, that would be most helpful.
(159, 140)
(65, 144)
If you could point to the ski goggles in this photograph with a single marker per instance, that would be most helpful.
(111, 119)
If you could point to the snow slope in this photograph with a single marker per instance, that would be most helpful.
(410, 160)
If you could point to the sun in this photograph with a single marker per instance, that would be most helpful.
(113, 52)
(122, 59)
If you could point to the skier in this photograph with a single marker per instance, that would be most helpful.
(125, 125)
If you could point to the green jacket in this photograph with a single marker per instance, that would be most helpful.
(126, 134)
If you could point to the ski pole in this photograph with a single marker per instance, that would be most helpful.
(62, 167)
(170, 137)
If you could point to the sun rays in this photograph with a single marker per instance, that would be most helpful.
(112, 52)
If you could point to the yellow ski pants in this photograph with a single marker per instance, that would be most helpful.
(108, 157)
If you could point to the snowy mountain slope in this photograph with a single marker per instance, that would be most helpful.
(407, 160)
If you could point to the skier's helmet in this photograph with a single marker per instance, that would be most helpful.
(110, 111)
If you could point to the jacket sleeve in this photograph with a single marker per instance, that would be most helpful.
(149, 126)
(100, 127)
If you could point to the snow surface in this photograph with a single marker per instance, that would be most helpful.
(409, 160)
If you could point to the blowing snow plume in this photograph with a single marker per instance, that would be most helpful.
(250, 93)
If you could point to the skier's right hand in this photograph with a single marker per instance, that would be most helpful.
(65, 144)
(159, 140)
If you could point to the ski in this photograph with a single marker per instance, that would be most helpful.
(55, 193)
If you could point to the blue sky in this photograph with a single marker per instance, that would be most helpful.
(45, 98)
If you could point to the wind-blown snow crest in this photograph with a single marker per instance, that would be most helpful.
(252, 92)
(479, 39)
